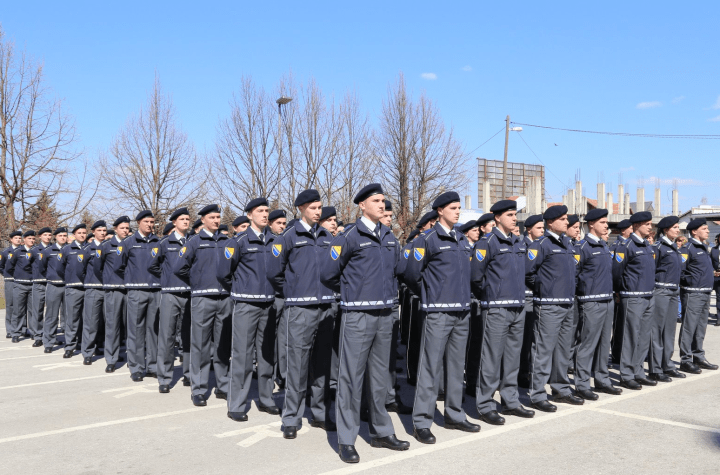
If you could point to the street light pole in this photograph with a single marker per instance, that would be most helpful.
(507, 136)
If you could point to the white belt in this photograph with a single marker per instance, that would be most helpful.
(552, 300)
(635, 294)
(596, 296)
(367, 303)
(502, 302)
(252, 296)
(697, 289)
(666, 284)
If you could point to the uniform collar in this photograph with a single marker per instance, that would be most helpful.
(638, 239)
(501, 235)
(592, 238)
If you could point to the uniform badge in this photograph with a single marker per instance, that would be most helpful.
(98, 253)
(229, 251)
(154, 251)
(10, 256)
(480, 254)
(81, 257)
(406, 253)
(419, 253)
(59, 255)
(119, 250)
(27, 255)
(532, 254)
(335, 252)
(619, 256)
(276, 249)
(577, 258)
(40, 256)
(683, 257)
(182, 251)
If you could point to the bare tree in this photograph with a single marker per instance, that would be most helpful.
(152, 164)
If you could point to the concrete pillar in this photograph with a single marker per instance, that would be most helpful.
(675, 203)
(579, 198)
(656, 205)
(609, 203)
(640, 200)
(626, 209)
(535, 195)
(468, 202)
(601, 195)
(543, 206)
(621, 200)
(571, 201)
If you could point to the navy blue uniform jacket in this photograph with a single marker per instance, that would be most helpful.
(498, 270)
(550, 270)
(634, 268)
(243, 268)
(594, 270)
(698, 273)
(198, 262)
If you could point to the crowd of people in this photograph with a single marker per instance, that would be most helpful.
(319, 309)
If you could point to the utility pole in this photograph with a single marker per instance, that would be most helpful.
(507, 136)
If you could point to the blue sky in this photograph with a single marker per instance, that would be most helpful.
(625, 67)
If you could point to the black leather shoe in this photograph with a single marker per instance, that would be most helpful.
(661, 377)
(150, 374)
(569, 399)
(543, 406)
(465, 426)
(390, 442)
(646, 382)
(599, 388)
(87, 361)
(348, 454)
(48, 350)
(673, 373)
(717, 322)
(690, 368)
(492, 417)
(8, 336)
(290, 432)
(186, 381)
(519, 412)
(164, 388)
(631, 384)
(37, 343)
(587, 395)
(424, 436)
(327, 426)
(220, 394)
(110, 368)
(272, 410)
(137, 377)
(16, 339)
(238, 416)
(68, 354)
(199, 400)
(399, 408)
(705, 364)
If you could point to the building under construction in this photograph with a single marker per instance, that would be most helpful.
(523, 179)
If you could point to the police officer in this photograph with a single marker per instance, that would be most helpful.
(240, 224)
(72, 270)
(93, 321)
(696, 283)
(110, 266)
(196, 227)
(595, 308)
(328, 219)
(295, 269)
(407, 297)
(715, 255)
(277, 222)
(39, 286)
(211, 307)
(471, 230)
(21, 263)
(634, 280)
(625, 229)
(550, 272)
(534, 230)
(7, 270)
(361, 265)
(573, 231)
(143, 297)
(498, 282)
(49, 262)
(485, 223)
(439, 271)
(668, 267)
(174, 302)
(170, 227)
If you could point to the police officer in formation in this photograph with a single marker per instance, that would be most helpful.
(277, 222)
(7, 270)
(534, 230)
(39, 287)
(72, 270)
(21, 263)
(49, 262)
(93, 321)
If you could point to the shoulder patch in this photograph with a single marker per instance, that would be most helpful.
(335, 252)
(532, 254)
(619, 256)
(182, 251)
(119, 250)
(229, 251)
(684, 257)
(59, 255)
(480, 254)
(406, 253)
(276, 250)
(577, 258)
(154, 251)
(98, 253)
(419, 253)
(80, 257)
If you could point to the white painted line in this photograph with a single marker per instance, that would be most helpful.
(63, 381)
(26, 357)
(659, 421)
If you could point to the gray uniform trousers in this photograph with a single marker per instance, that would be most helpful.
(695, 309)
(174, 308)
(364, 354)
(526, 351)
(21, 300)
(552, 341)
(280, 339)
(142, 321)
(253, 334)
(309, 332)
(74, 301)
(503, 330)
(594, 332)
(115, 305)
(37, 315)
(92, 320)
(392, 374)
(55, 298)
(444, 334)
(210, 339)
(9, 315)
(335, 361)
(662, 329)
(636, 313)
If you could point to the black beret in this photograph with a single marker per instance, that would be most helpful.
(696, 223)
(44, 230)
(427, 217)
(168, 227)
(595, 214)
(307, 196)
(29, 232)
(412, 235)
(143, 214)
(179, 212)
(255, 203)
(15, 233)
(59, 230)
(328, 212)
(79, 226)
(468, 226)
(111, 233)
(367, 191)
(240, 220)
(98, 224)
(445, 199)
(278, 213)
(533, 220)
(388, 205)
(555, 212)
(573, 219)
(486, 218)
(503, 205)
(340, 223)
(120, 220)
(292, 222)
(213, 208)
(223, 227)
(624, 224)
(668, 222)
(641, 217)
(197, 223)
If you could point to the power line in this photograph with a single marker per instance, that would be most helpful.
(473, 150)
(543, 164)
(627, 134)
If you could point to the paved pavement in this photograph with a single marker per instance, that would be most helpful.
(58, 416)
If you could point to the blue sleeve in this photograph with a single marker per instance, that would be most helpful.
(227, 266)
(534, 259)
(155, 263)
(186, 258)
(478, 265)
(416, 264)
(276, 265)
(620, 259)
(334, 261)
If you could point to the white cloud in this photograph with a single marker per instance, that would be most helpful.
(429, 76)
(649, 105)
(716, 105)
(678, 99)
(467, 68)
(714, 119)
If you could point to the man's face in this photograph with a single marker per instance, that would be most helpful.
(16, 240)
(259, 216)
(330, 224)
(487, 227)
(61, 238)
(450, 213)
(122, 230)
(46, 238)
(626, 232)
(146, 225)
(373, 207)
(311, 212)
(507, 220)
(211, 222)
(599, 227)
(573, 231)
(182, 224)
(473, 234)
(100, 233)
(80, 235)
(643, 229)
(278, 226)
(29, 241)
(242, 228)
(537, 230)
(428, 225)
(387, 219)
(559, 225)
(701, 233)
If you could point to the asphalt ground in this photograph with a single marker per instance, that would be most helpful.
(58, 416)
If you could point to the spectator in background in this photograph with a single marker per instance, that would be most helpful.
(681, 241)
